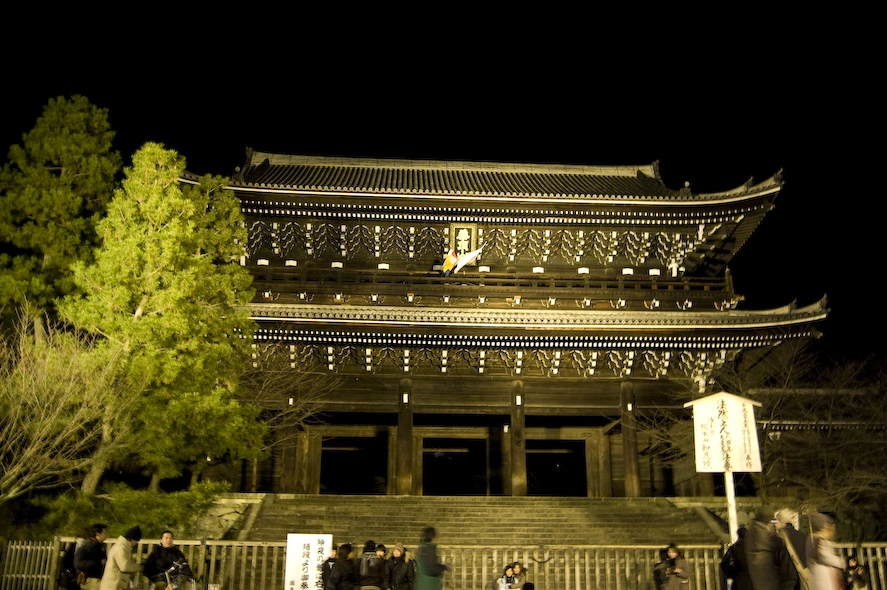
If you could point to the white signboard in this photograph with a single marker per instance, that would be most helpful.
(305, 555)
(726, 434)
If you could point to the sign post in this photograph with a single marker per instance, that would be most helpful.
(726, 440)
(305, 555)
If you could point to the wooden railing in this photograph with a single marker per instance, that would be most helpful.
(244, 565)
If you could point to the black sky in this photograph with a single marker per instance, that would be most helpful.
(715, 107)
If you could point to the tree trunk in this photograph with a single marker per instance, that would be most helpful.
(93, 477)
(101, 459)
(196, 470)
(154, 486)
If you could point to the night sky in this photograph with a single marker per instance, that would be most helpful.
(713, 110)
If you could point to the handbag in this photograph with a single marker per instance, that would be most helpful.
(803, 572)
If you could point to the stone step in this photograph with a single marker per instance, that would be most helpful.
(491, 521)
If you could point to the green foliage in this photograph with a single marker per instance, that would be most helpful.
(53, 190)
(167, 285)
(122, 507)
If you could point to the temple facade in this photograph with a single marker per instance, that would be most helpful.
(482, 328)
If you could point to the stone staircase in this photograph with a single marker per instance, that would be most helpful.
(492, 521)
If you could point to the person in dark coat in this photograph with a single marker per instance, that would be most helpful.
(762, 550)
(373, 572)
(90, 558)
(342, 575)
(164, 556)
(401, 569)
(785, 529)
(673, 572)
(327, 566)
(741, 579)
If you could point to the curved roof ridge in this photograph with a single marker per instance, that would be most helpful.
(257, 157)
(749, 186)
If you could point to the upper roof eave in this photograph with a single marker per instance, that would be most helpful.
(281, 174)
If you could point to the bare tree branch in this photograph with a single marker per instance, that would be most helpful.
(289, 386)
(53, 392)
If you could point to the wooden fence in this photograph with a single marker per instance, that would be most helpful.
(244, 565)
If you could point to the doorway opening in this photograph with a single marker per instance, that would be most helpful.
(454, 467)
(556, 468)
(354, 465)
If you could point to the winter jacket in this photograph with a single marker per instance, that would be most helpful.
(88, 558)
(161, 559)
(429, 569)
(670, 579)
(401, 573)
(377, 571)
(342, 576)
(120, 568)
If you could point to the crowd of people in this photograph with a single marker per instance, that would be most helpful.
(778, 550)
(89, 565)
(376, 569)
(784, 550)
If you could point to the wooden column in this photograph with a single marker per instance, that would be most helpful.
(289, 462)
(404, 476)
(505, 450)
(598, 473)
(518, 441)
(629, 440)
(306, 469)
(707, 483)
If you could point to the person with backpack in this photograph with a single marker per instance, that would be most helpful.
(67, 577)
(373, 572)
(91, 557)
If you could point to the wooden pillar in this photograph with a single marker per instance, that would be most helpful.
(598, 472)
(418, 458)
(707, 483)
(306, 467)
(518, 441)
(404, 477)
(289, 461)
(505, 450)
(629, 440)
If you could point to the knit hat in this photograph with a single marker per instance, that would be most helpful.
(380, 547)
(133, 534)
(369, 547)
